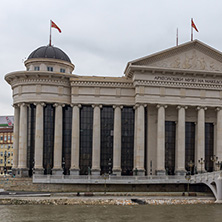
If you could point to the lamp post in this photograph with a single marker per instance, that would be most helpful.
(190, 165)
(214, 158)
(201, 162)
(5, 158)
(63, 165)
(188, 177)
(218, 164)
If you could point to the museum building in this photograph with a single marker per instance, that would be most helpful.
(165, 112)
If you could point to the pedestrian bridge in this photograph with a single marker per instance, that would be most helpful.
(213, 180)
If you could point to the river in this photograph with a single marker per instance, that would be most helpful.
(89, 213)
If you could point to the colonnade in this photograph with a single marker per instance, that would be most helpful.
(20, 139)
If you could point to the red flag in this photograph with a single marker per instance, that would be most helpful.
(53, 25)
(193, 25)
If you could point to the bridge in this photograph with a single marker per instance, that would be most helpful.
(213, 180)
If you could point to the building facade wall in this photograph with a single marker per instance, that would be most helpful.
(166, 105)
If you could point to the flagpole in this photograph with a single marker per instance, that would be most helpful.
(50, 36)
(177, 38)
(191, 30)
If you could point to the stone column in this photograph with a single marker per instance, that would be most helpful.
(140, 141)
(57, 168)
(16, 139)
(160, 170)
(200, 151)
(74, 170)
(117, 141)
(22, 162)
(96, 141)
(218, 151)
(135, 139)
(39, 139)
(180, 142)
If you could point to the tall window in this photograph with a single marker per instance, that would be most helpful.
(36, 68)
(86, 130)
(106, 158)
(127, 128)
(209, 146)
(49, 125)
(67, 132)
(189, 145)
(170, 130)
(31, 138)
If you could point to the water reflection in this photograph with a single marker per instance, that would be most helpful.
(166, 213)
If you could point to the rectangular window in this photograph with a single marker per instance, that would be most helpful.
(50, 68)
(36, 68)
(2, 146)
(5, 138)
(1, 161)
(1, 137)
(1, 153)
(62, 70)
(12, 138)
(9, 137)
(9, 161)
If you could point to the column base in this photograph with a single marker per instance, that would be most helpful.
(38, 171)
(117, 172)
(14, 171)
(22, 172)
(57, 171)
(201, 171)
(95, 172)
(140, 172)
(160, 172)
(180, 172)
(74, 172)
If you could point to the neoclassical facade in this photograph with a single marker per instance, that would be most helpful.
(163, 113)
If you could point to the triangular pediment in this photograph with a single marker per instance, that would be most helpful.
(193, 55)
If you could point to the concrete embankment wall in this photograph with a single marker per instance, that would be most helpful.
(25, 184)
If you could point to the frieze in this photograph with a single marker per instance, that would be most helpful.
(182, 82)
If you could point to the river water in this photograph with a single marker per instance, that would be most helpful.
(166, 213)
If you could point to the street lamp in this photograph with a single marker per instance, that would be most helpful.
(201, 162)
(190, 164)
(218, 164)
(5, 158)
(188, 177)
(213, 158)
(63, 165)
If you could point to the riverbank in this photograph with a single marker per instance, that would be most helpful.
(101, 199)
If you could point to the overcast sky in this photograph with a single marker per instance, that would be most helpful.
(100, 36)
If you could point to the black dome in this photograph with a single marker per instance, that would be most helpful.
(49, 52)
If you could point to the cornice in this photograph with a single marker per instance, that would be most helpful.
(102, 84)
(177, 84)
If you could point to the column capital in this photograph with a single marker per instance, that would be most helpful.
(161, 105)
(139, 104)
(79, 105)
(218, 108)
(201, 107)
(116, 106)
(57, 104)
(15, 105)
(23, 104)
(97, 105)
(180, 107)
(40, 103)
